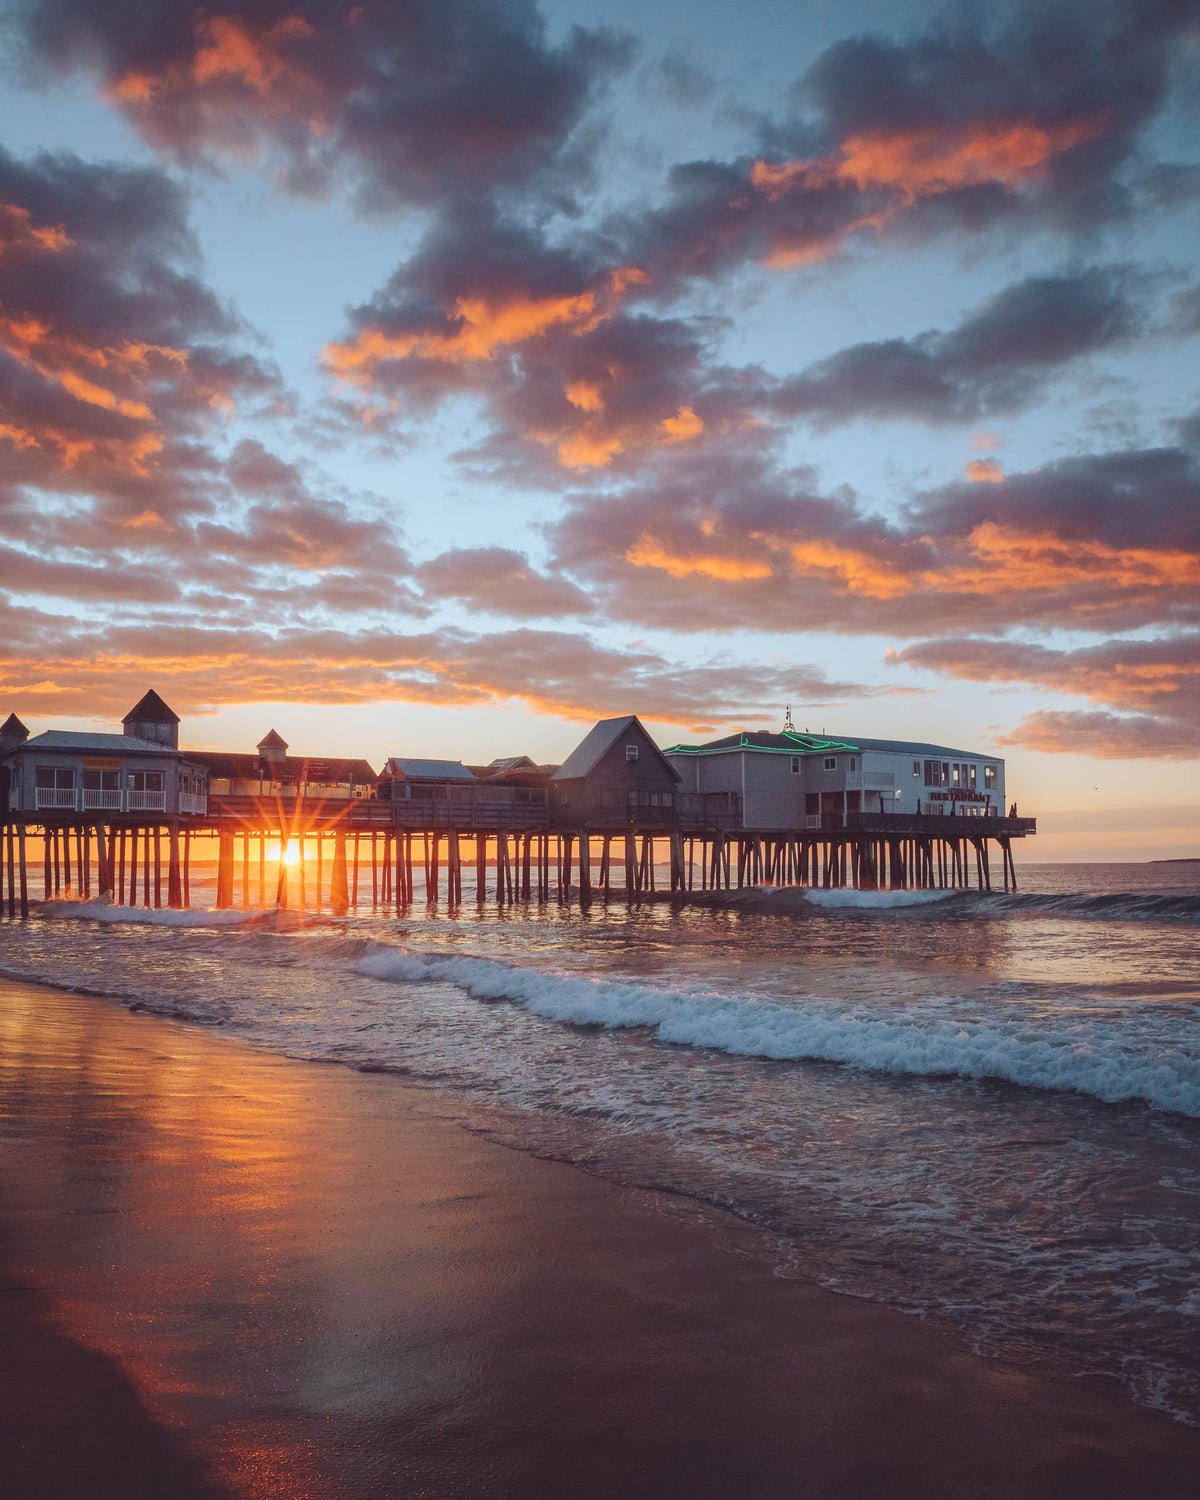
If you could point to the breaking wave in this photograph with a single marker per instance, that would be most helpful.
(1124, 1059)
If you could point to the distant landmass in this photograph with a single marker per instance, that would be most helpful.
(1188, 859)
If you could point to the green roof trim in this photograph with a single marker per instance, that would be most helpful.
(809, 744)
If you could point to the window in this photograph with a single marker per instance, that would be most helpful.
(853, 763)
(631, 752)
(991, 777)
(102, 781)
(831, 762)
(971, 776)
(937, 773)
(812, 803)
(795, 765)
(60, 778)
(145, 781)
(916, 768)
(955, 769)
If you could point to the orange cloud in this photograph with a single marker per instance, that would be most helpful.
(683, 425)
(484, 326)
(57, 358)
(226, 50)
(17, 229)
(920, 163)
(857, 571)
(985, 471)
(1019, 560)
(647, 552)
(586, 397)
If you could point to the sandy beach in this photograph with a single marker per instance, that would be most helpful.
(227, 1273)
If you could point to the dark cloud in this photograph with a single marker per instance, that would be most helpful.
(1153, 686)
(1034, 117)
(996, 361)
(1134, 501)
(500, 581)
(418, 99)
(114, 355)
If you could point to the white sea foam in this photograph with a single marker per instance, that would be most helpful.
(875, 900)
(1115, 1061)
(103, 911)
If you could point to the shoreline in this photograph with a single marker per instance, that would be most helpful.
(314, 1281)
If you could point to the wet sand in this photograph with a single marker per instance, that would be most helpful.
(226, 1273)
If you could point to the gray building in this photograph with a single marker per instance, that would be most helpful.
(446, 794)
(614, 777)
(795, 780)
(62, 773)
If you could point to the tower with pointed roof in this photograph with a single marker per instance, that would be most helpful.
(151, 719)
(272, 747)
(12, 733)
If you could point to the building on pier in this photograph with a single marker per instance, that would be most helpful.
(447, 794)
(807, 781)
(61, 773)
(272, 772)
(615, 777)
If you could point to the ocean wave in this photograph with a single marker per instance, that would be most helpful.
(847, 896)
(1116, 906)
(1116, 1061)
(103, 911)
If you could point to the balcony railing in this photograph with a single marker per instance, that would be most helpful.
(147, 801)
(194, 803)
(55, 796)
(102, 797)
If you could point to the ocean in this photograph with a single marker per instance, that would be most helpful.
(980, 1109)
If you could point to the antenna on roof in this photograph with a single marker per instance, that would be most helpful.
(788, 726)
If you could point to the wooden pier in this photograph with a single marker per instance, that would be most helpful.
(340, 857)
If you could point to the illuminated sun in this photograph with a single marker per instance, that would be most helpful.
(291, 855)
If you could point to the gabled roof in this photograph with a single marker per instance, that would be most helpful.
(150, 709)
(597, 742)
(415, 769)
(13, 725)
(508, 763)
(106, 744)
(275, 740)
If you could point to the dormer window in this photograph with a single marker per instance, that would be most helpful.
(631, 752)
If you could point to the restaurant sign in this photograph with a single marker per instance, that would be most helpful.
(963, 795)
(100, 763)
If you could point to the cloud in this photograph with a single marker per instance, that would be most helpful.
(500, 581)
(995, 361)
(1154, 686)
(720, 536)
(413, 101)
(52, 666)
(114, 355)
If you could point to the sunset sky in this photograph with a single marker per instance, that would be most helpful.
(435, 378)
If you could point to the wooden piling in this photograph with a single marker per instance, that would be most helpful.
(23, 873)
(339, 894)
(174, 884)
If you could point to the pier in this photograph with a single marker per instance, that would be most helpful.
(339, 857)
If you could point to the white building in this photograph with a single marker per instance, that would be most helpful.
(794, 780)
